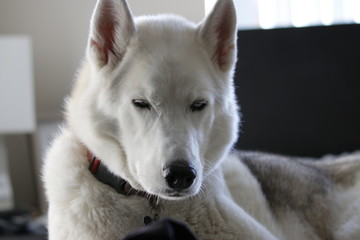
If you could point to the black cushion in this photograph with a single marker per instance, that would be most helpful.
(299, 89)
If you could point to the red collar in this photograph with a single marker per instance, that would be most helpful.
(104, 175)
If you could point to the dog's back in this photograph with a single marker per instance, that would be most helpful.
(321, 193)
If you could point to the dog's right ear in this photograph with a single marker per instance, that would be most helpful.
(112, 27)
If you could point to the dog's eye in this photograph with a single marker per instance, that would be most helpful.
(141, 103)
(198, 105)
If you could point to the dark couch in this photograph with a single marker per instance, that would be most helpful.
(299, 89)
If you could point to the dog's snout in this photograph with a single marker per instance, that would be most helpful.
(179, 175)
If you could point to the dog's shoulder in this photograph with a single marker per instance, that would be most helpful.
(65, 145)
(287, 181)
(293, 186)
(65, 156)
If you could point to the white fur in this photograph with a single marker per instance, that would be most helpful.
(171, 63)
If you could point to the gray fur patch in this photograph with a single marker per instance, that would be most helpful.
(290, 184)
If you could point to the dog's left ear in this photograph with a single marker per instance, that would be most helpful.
(111, 29)
(218, 32)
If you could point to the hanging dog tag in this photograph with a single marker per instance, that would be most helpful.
(147, 220)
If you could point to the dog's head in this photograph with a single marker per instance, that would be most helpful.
(155, 100)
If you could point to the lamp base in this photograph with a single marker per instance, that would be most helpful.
(6, 194)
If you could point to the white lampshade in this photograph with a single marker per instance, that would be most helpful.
(17, 108)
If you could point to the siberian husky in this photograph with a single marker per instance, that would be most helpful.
(151, 123)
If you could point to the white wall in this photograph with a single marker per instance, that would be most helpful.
(59, 30)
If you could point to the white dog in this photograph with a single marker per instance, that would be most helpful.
(150, 127)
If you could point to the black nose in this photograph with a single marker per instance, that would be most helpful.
(179, 176)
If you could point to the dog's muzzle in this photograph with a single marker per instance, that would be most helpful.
(179, 175)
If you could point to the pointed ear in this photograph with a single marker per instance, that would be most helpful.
(112, 27)
(218, 32)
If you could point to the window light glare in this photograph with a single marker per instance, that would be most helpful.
(300, 13)
(267, 13)
(355, 6)
(326, 12)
